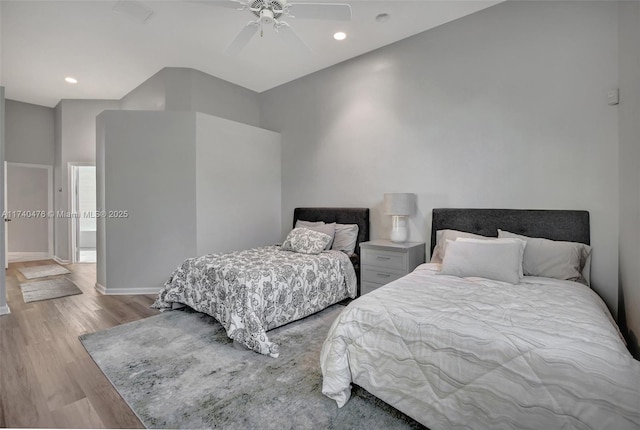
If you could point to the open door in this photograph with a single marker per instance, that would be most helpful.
(83, 237)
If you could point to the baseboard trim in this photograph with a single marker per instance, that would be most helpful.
(15, 257)
(100, 288)
(60, 260)
(4, 310)
(126, 291)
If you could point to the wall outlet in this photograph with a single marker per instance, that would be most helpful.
(613, 97)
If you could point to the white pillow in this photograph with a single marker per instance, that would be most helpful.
(554, 259)
(345, 238)
(522, 243)
(441, 242)
(497, 260)
(306, 241)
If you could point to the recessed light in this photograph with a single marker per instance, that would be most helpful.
(70, 80)
(382, 17)
(340, 36)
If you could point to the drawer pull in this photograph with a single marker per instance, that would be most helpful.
(383, 258)
(383, 275)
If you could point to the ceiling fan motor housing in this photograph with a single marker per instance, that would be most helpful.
(268, 9)
(266, 16)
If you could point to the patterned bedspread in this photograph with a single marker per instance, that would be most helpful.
(459, 353)
(250, 292)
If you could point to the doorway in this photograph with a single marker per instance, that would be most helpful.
(29, 208)
(83, 206)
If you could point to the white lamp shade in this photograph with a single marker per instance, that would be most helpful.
(403, 204)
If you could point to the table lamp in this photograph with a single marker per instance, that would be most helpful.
(399, 206)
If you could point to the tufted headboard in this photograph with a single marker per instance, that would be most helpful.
(358, 216)
(567, 225)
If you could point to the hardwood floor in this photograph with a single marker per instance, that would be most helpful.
(47, 379)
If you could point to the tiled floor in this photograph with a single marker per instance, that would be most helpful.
(87, 255)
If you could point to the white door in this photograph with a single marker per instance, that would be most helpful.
(28, 200)
(6, 221)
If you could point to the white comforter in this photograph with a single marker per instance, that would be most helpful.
(480, 354)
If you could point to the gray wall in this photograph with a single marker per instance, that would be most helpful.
(140, 169)
(629, 122)
(183, 89)
(150, 95)
(29, 138)
(75, 141)
(220, 98)
(505, 108)
(29, 134)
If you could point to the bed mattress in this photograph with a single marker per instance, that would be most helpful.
(252, 291)
(473, 353)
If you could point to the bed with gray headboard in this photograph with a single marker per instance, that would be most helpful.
(566, 225)
(479, 352)
(256, 290)
(358, 216)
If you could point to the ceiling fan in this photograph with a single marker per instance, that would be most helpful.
(271, 12)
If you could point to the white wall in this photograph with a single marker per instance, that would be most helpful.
(75, 141)
(182, 177)
(505, 108)
(29, 134)
(238, 185)
(629, 123)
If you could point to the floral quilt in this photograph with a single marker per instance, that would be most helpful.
(252, 291)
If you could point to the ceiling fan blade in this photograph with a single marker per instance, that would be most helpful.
(295, 42)
(329, 11)
(242, 39)
(230, 4)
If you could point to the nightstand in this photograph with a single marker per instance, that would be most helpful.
(383, 261)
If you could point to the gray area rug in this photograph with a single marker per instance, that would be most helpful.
(180, 370)
(43, 271)
(48, 289)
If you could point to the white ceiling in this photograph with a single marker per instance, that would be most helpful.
(111, 53)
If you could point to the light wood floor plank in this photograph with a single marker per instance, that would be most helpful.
(79, 414)
(47, 379)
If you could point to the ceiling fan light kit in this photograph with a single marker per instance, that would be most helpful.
(269, 12)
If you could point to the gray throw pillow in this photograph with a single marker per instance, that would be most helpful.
(345, 238)
(552, 258)
(302, 223)
(329, 229)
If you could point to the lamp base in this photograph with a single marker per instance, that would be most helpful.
(399, 230)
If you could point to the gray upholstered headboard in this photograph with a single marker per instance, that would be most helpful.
(567, 225)
(358, 216)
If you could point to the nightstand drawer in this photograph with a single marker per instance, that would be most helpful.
(382, 261)
(391, 260)
(368, 287)
(380, 275)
